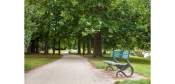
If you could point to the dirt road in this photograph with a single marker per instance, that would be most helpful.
(70, 69)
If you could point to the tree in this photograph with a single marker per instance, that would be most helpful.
(89, 44)
(30, 25)
(123, 24)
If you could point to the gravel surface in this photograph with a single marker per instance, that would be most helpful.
(70, 69)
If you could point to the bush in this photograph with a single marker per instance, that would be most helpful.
(137, 52)
(140, 55)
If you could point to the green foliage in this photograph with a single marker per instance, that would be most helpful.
(30, 25)
(27, 35)
(140, 55)
(124, 24)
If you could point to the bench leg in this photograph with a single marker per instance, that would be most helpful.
(132, 71)
(116, 69)
(110, 68)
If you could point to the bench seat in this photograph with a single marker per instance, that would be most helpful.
(114, 63)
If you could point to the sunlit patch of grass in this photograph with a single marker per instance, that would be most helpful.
(56, 51)
(142, 81)
(75, 52)
(37, 59)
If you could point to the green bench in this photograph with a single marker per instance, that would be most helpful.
(121, 67)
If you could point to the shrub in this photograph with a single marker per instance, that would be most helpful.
(140, 55)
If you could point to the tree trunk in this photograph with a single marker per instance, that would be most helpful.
(89, 45)
(104, 52)
(42, 47)
(29, 49)
(59, 47)
(75, 43)
(83, 48)
(79, 46)
(97, 45)
(55, 38)
(54, 45)
(37, 45)
(47, 48)
(46, 43)
(33, 46)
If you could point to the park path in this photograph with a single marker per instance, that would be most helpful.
(70, 69)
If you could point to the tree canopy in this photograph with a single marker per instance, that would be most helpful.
(122, 24)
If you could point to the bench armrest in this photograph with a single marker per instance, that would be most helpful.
(115, 60)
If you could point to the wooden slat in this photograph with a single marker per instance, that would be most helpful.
(120, 54)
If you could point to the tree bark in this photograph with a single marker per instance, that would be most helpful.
(89, 45)
(54, 45)
(29, 49)
(79, 46)
(59, 47)
(33, 46)
(97, 45)
(46, 43)
(55, 37)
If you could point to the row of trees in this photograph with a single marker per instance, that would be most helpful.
(107, 24)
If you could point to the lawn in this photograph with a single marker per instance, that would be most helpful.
(81, 51)
(56, 51)
(142, 81)
(38, 59)
(141, 65)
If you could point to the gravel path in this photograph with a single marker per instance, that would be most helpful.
(70, 69)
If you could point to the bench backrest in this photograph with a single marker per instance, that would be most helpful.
(120, 54)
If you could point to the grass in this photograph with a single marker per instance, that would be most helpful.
(141, 65)
(56, 51)
(81, 51)
(138, 50)
(142, 81)
(38, 59)
(140, 55)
